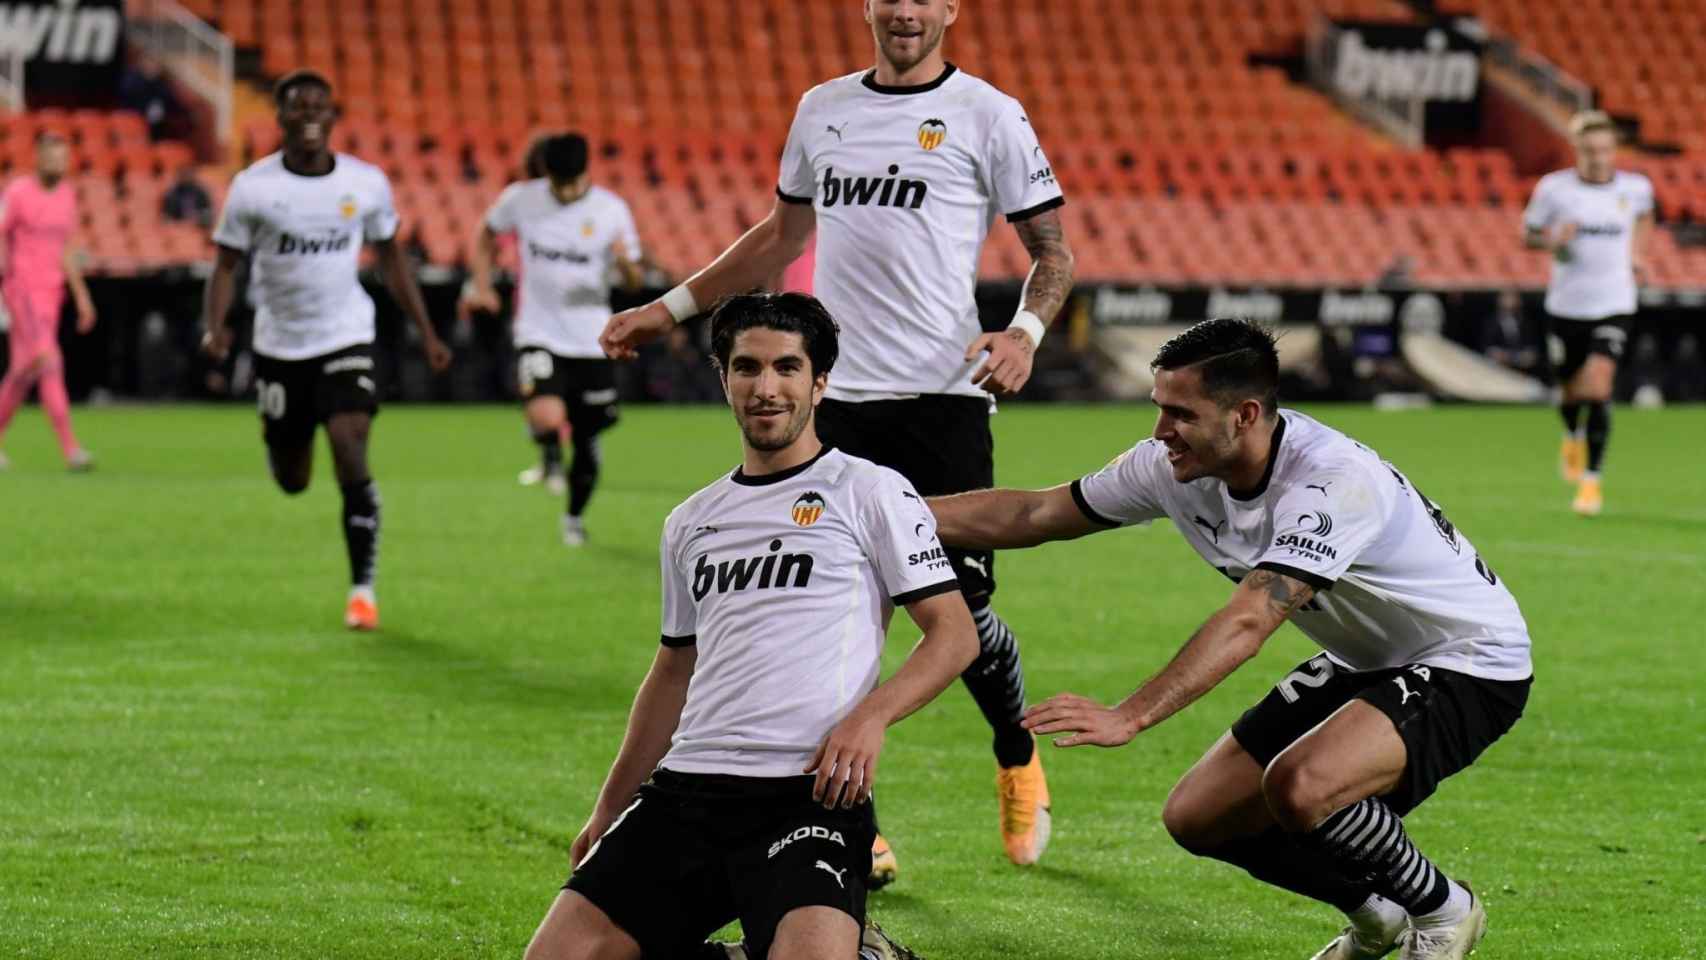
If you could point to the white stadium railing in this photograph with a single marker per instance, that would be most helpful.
(11, 78)
(195, 53)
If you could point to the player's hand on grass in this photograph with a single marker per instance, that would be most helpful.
(216, 344)
(846, 762)
(438, 354)
(596, 826)
(627, 330)
(1009, 363)
(1083, 719)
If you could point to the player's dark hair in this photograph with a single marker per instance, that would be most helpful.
(564, 157)
(533, 162)
(298, 78)
(786, 312)
(45, 137)
(1237, 358)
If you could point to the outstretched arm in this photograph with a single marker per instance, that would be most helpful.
(1233, 635)
(846, 761)
(758, 255)
(1010, 519)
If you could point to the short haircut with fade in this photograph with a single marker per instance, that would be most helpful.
(1237, 358)
(785, 312)
(298, 78)
(1591, 121)
(564, 157)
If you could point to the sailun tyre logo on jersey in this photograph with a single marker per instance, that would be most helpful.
(808, 508)
(889, 191)
(1323, 523)
(931, 133)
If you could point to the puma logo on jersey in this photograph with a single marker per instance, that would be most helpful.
(1212, 528)
(836, 130)
(291, 243)
(1404, 691)
(806, 833)
(769, 570)
(538, 252)
(837, 874)
(1318, 486)
(889, 191)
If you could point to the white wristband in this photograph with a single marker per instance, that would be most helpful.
(1030, 323)
(680, 303)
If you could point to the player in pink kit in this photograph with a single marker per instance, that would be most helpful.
(37, 217)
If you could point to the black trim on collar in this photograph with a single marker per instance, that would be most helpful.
(764, 480)
(284, 161)
(1267, 474)
(1584, 181)
(1030, 212)
(1085, 508)
(1316, 582)
(870, 82)
(923, 593)
(790, 198)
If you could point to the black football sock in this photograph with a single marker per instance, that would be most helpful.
(361, 531)
(1599, 433)
(996, 680)
(1276, 858)
(583, 472)
(1572, 417)
(1367, 840)
(550, 450)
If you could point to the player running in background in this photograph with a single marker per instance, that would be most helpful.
(1426, 658)
(1595, 220)
(743, 783)
(902, 170)
(571, 236)
(38, 215)
(303, 215)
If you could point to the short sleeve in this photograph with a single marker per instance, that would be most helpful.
(797, 181)
(1318, 535)
(1540, 211)
(380, 223)
(680, 616)
(627, 232)
(1021, 179)
(1127, 490)
(502, 218)
(1643, 197)
(236, 228)
(898, 534)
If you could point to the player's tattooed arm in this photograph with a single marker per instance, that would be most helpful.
(1284, 595)
(1050, 279)
(1233, 635)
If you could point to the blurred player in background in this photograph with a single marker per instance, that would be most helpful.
(38, 215)
(1595, 220)
(303, 215)
(1426, 654)
(742, 788)
(902, 170)
(571, 236)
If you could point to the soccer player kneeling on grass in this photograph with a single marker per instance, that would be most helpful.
(1426, 658)
(743, 785)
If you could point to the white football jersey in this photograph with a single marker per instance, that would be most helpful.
(906, 182)
(1598, 279)
(1395, 582)
(566, 253)
(304, 235)
(786, 583)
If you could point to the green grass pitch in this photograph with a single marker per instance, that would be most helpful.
(196, 760)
